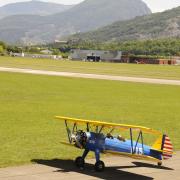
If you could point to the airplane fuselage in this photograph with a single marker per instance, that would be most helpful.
(99, 143)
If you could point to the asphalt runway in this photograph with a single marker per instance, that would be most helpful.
(92, 76)
(116, 168)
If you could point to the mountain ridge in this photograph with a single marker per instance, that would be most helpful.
(157, 25)
(31, 8)
(88, 15)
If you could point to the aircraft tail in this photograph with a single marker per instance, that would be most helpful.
(167, 148)
(164, 145)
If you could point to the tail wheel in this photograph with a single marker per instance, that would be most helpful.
(79, 162)
(99, 166)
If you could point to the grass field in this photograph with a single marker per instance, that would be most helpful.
(28, 104)
(134, 70)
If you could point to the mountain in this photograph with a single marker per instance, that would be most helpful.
(88, 15)
(158, 25)
(32, 8)
(97, 13)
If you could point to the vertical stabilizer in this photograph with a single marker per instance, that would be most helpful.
(167, 148)
(164, 145)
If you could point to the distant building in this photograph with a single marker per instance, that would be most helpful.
(177, 59)
(96, 55)
(17, 54)
(36, 56)
(147, 60)
(46, 51)
(61, 42)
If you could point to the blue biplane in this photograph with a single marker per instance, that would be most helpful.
(98, 142)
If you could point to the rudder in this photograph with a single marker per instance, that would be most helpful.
(167, 148)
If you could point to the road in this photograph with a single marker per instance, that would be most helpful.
(92, 76)
(116, 168)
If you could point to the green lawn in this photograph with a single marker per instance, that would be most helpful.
(137, 70)
(28, 104)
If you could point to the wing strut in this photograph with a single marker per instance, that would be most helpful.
(101, 129)
(134, 151)
(96, 129)
(75, 126)
(142, 141)
(87, 127)
(111, 131)
(140, 136)
(68, 131)
(131, 135)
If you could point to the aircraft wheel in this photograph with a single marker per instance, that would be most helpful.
(79, 162)
(99, 166)
(159, 163)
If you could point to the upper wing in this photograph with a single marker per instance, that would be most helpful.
(109, 125)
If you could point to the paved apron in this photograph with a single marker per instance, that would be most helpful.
(116, 168)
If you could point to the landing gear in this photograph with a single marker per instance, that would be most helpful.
(79, 162)
(99, 166)
(159, 164)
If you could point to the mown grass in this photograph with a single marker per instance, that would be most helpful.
(135, 70)
(28, 104)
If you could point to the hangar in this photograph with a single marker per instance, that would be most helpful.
(95, 55)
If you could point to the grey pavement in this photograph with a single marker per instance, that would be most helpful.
(92, 76)
(116, 168)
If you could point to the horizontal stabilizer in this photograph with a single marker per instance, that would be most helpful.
(163, 151)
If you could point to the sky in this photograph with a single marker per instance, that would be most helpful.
(154, 5)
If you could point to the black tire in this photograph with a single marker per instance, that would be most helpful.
(79, 162)
(159, 164)
(99, 166)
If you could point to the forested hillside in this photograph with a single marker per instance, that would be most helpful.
(160, 47)
(158, 25)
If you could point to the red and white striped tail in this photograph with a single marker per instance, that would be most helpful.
(167, 148)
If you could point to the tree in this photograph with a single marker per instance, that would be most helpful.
(1, 49)
(56, 52)
(3, 44)
(14, 49)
